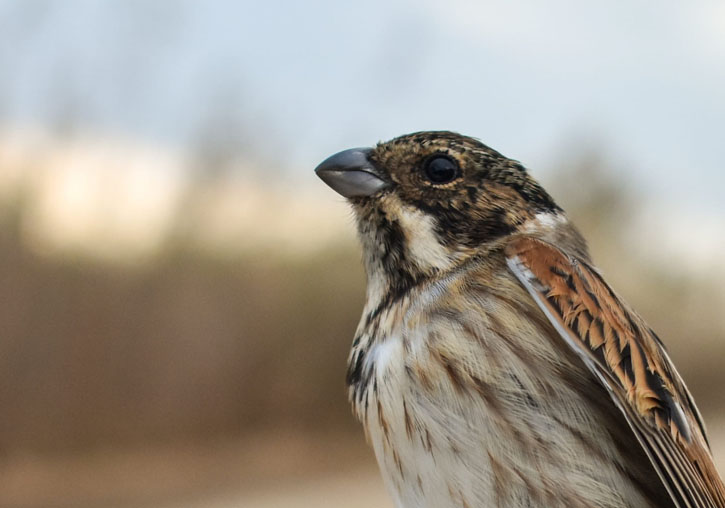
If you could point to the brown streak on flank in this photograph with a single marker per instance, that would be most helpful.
(383, 422)
(462, 499)
(408, 421)
(427, 442)
(398, 464)
(499, 412)
(453, 374)
(501, 479)
(451, 492)
(480, 338)
(454, 448)
(552, 490)
(420, 484)
(469, 330)
(365, 406)
(444, 313)
(457, 495)
(534, 493)
(486, 391)
(422, 375)
(474, 335)
(543, 445)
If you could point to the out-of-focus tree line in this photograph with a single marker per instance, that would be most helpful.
(183, 346)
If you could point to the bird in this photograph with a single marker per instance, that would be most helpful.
(493, 365)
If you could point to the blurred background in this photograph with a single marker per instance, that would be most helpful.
(178, 291)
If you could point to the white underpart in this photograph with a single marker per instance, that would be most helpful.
(545, 220)
(376, 288)
(382, 353)
(423, 243)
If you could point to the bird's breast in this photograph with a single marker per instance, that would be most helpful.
(454, 387)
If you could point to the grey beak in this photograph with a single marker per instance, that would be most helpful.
(351, 174)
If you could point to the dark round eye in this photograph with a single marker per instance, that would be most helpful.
(440, 169)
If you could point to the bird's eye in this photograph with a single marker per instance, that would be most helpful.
(440, 169)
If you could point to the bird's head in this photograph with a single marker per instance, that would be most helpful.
(427, 201)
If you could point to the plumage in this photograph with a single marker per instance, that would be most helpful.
(630, 361)
(493, 365)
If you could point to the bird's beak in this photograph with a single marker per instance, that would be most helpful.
(351, 174)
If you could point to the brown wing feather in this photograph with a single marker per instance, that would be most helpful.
(629, 360)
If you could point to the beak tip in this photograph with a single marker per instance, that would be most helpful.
(353, 158)
(351, 174)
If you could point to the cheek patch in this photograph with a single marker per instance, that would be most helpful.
(423, 245)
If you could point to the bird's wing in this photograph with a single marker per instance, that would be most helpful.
(629, 360)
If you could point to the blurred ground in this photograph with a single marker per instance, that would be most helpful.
(274, 469)
(271, 471)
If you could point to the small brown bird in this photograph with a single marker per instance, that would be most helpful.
(493, 366)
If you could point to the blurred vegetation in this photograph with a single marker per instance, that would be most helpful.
(184, 346)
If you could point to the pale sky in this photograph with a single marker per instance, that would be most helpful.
(642, 82)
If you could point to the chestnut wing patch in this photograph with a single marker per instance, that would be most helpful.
(629, 360)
